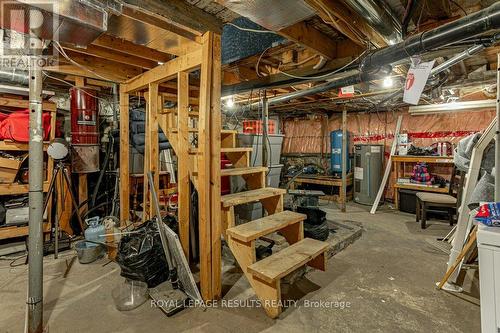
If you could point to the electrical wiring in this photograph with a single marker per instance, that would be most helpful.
(334, 23)
(295, 64)
(79, 88)
(458, 5)
(59, 48)
(258, 61)
(252, 30)
(324, 75)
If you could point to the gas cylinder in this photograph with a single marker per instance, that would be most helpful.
(95, 231)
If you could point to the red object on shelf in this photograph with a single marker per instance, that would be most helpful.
(84, 130)
(16, 126)
(225, 183)
(255, 127)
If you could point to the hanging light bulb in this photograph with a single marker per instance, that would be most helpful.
(230, 102)
(388, 82)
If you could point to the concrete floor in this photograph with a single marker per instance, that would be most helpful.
(384, 282)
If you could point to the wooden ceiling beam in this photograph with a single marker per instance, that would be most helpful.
(109, 70)
(124, 46)
(92, 82)
(179, 14)
(104, 65)
(105, 53)
(309, 37)
(77, 71)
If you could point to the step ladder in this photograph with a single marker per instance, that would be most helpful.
(264, 275)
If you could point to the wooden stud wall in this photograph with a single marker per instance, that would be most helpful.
(202, 167)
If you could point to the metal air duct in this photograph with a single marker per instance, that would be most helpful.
(273, 15)
(14, 76)
(380, 17)
(70, 21)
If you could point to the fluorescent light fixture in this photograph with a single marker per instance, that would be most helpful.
(452, 107)
(388, 82)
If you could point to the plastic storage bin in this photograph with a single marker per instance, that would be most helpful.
(488, 243)
(255, 141)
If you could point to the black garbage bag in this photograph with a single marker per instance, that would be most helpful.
(315, 216)
(141, 256)
(317, 231)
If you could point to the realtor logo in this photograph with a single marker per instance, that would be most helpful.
(19, 18)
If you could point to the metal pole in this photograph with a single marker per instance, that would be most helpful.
(497, 137)
(35, 237)
(343, 194)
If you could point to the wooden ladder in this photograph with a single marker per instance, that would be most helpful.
(264, 275)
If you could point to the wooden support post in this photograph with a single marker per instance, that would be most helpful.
(343, 189)
(145, 182)
(183, 183)
(82, 177)
(215, 172)
(151, 152)
(64, 206)
(203, 162)
(154, 152)
(124, 158)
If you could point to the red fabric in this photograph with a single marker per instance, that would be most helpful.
(16, 126)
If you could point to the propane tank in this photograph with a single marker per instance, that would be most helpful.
(95, 231)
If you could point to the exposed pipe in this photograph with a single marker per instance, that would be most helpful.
(410, 8)
(35, 238)
(445, 65)
(376, 64)
(456, 59)
(14, 76)
(380, 18)
(463, 28)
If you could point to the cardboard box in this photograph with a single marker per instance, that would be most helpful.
(9, 168)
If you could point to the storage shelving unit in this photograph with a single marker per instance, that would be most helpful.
(398, 170)
(15, 188)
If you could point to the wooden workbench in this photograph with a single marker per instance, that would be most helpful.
(399, 171)
(326, 181)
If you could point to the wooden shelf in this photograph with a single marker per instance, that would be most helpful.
(398, 161)
(323, 180)
(17, 146)
(14, 188)
(426, 159)
(10, 232)
(422, 188)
